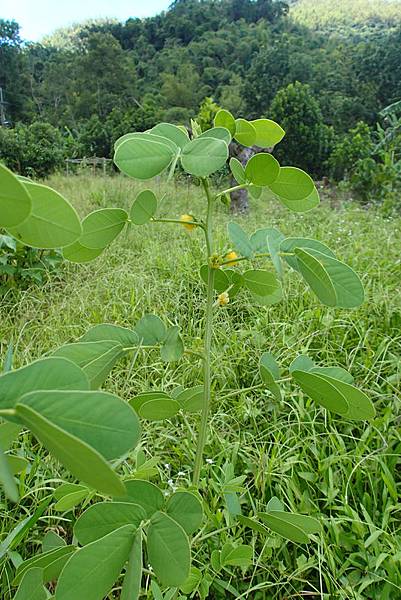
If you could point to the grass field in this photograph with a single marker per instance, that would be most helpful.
(344, 473)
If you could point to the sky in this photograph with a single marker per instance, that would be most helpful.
(38, 18)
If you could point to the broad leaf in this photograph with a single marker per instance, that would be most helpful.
(51, 563)
(31, 587)
(291, 526)
(145, 494)
(69, 501)
(101, 227)
(262, 169)
(7, 478)
(140, 399)
(240, 240)
(143, 207)
(150, 330)
(360, 407)
(292, 184)
(143, 156)
(219, 133)
(16, 464)
(316, 277)
(102, 518)
(107, 332)
(191, 400)
(15, 201)
(171, 132)
(96, 359)
(237, 171)
(268, 133)
(204, 156)
(245, 133)
(76, 253)
(225, 119)
(186, 509)
(335, 372)
(173, 347)
(168, 550)
(8, 434)
(159, 409)
(102, 420)
(261, 283)
(302, 363)
(236, 281)
(53, 222)
(322, 391)
(44, 374)
(288, 246)
(132, 581)
(83, 461)
(237, 556)
(304, 204)
(220, 280)
(92, 571)
(52, 541)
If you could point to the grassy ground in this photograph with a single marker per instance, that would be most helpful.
(344, 473)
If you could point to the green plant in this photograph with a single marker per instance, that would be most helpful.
(92, 432)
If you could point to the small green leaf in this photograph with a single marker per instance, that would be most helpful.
(101, 227)
(316, 277)
(131, 588)
(143, 156)
(245, 133)
(225, 119)
(237, 171)
(8, 434)
(269, 372)
(186, 509)
(52, 541)
(145, 494)
(271, 299)
(274, 504)
(102, 518)
(150, 330)
(173, 347)
(69, 501)
(96, 359)
(191, 400)
(15, 201)
(143, 207)
(173, 133)
(262, 169)
(236, 281)
(107, 332)
(240, 240)
(261, 283)
(193, 581)
(204, 156)
(140, 399)
(65, 489)
(92, 571)
(292, 184)
(83, 461)
(220, 280)
(53, 222)
(168, 550)
(31, 587)
(302, 363)
(16, 464)
(100, 419)
(159, 409)
(44, 374)
(268, 133)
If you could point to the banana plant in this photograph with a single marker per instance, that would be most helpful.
(60, 399)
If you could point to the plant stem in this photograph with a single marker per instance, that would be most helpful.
(236, 187)
(178, 222)
(208, 340)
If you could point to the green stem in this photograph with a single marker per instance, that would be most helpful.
(7, 412)
(195, 223)
(233, 189)
(208, 340)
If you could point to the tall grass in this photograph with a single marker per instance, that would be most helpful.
(347, 474)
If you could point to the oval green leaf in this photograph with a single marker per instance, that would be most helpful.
(102, 518)
(172, 348)
(15, 201)
(173, 133)
(101, 227)
(145, 494)
(186, 509)
(76, 253)
(143, 207)
(292, 184)
(245, 133)
(268, 133)
(237, 170)
(143, 157)
(262, 169)
(168, 550)
(204, 156)
(225, 119)
(261, 283)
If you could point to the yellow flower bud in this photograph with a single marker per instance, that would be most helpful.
(223, 299)
(188, 225)
(231, 256)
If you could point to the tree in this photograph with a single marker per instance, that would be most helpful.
(307, 141)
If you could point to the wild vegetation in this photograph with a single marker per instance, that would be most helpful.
(193, 406)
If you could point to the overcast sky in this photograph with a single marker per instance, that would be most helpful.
(41, 17)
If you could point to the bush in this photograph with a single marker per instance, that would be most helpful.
(308, 140)
(35, 150)
(356, 145)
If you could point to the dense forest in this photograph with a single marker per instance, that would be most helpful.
(321, 68)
